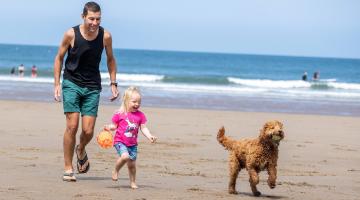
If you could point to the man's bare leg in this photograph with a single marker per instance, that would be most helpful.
(87, 133)
(69, 140)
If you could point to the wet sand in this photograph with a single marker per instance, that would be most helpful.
(153, 97)
(319, 157)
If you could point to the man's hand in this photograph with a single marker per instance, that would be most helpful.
(57, 92)
(114, 92)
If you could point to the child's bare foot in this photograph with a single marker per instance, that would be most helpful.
(114, 176)
(133, 186)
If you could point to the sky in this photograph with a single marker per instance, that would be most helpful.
(320, 28)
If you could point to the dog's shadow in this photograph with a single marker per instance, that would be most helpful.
(262, 195)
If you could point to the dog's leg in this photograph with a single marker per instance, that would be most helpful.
(272, 176)
(234, 169)
(254, 180)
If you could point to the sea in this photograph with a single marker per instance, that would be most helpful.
(196, 80)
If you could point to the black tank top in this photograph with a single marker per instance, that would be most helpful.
(83, 60)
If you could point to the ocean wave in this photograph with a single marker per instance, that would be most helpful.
(134, 77)
(247, 91)
(293, 84)
(26, 79)
(346, 86)
(104, 76)
(243, 87)
(264, 83)
(200, 88)
(196, 80)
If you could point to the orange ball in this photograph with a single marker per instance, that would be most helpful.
(105, 139)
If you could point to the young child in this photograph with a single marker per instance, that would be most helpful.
(127, 121)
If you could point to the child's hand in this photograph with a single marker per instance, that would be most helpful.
(107, 128)
(153, 139)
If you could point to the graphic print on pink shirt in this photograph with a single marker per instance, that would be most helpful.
(128, 125)
(131, 127)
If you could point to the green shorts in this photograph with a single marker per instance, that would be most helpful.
(80, 99)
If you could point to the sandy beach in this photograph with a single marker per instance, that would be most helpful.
(319, 157)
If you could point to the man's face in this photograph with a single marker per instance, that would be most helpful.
(92, 21)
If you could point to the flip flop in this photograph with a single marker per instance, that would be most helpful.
(69, 177)
(82, 162)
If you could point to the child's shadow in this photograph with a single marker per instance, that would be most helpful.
(126, 186)
(115, 184)
(93, 178)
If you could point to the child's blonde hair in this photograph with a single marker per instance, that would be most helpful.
(127, 96)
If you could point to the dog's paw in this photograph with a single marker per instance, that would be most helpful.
(271, 184)
(257, 193)
(231, 191)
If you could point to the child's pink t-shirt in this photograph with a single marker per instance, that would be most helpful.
(128, 125)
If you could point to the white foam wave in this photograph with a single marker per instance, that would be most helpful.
(104, 76)
(248, 88)
(27, 79)
(134, 77)
(248, 91)
(319, 94)
(263, 83)
(201, 88)
(346, 86)
(292, 84)
(329, 80)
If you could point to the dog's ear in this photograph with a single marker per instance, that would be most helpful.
(272, 124)
(268, 125)
(278, 122)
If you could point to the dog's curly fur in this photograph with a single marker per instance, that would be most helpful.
(254, 155)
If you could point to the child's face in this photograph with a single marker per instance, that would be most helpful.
(135, 102)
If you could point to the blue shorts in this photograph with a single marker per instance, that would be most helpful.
(122, 148)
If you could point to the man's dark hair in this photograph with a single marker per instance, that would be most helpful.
(91, 6)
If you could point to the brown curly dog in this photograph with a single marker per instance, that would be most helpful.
(254, 154)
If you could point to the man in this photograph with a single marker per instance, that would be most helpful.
(82, 83)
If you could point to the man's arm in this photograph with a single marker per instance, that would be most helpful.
(67, 40)
(111, 64)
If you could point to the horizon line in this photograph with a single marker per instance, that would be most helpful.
(203, 52)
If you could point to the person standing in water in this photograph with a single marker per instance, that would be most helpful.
(12, 71)
(316, 76)
(304, 76)
(33, 71)
(21, 70)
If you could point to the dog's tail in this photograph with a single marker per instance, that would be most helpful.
(227, 142)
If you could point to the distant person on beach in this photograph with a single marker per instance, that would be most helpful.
(12, 71)
(21, 70)
(304, 76)
(81, 85)
(316, 76)
(33, 71)
(127, 122)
